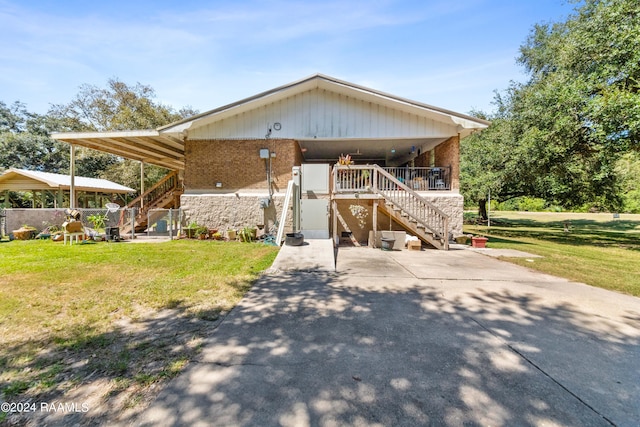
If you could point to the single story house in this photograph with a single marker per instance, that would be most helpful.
(233, 164)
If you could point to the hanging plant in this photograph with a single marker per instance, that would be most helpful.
(360, 213)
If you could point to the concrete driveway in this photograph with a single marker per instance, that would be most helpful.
(415, 338)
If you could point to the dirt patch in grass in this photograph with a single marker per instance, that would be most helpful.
(106, 377)
(88, 335)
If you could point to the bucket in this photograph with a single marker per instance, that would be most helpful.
(294, 239)
(387, 243)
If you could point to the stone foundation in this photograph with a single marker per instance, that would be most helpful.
(231, 211)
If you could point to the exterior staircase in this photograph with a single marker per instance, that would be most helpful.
(412, 211)
(404, 205)
(165, 194)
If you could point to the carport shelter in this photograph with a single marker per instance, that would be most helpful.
(53, 190)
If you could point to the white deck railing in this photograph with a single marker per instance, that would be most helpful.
(374, 179)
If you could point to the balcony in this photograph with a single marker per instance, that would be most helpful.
(358, 178)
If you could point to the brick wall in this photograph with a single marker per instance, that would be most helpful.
(448, 154)
(237, 164)
(423, 160)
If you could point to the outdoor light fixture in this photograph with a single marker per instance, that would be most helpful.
(393, 150)
(218, 185)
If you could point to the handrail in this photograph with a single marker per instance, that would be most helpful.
(411, 203)
(423, 178)
(159, 189)
(285, 209)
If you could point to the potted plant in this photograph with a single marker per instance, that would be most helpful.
(99, 223)
(201, 232)
(190, 230)
(247, 234)
(25, 232)
(479, 241)
(232, 234)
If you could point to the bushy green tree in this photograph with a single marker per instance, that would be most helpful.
(24, 141)
(564, 130)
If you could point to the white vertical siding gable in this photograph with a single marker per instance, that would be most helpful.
(323, 114)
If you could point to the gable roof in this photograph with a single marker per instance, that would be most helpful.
(21, 179)
(165, 145)
(465, 124)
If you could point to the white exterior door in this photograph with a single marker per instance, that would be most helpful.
(314, 218)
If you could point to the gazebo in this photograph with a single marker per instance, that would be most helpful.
(53, 190)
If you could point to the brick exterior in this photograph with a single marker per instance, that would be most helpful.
(237, 164)
(423, 160)
(448, 154)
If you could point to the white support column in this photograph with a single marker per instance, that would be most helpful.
(141, 184)
(72, 174)
(336, 239)
(375, 222)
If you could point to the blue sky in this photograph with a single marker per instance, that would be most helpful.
(448, 53)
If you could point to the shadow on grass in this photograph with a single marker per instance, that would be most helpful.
(581, 232)
(98, 368)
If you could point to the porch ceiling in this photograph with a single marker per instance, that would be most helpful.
(148, 146)
(391, 151)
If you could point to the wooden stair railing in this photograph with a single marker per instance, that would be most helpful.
(412, 210)
(161, 195)
(403, 204)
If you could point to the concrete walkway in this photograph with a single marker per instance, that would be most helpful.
(415, 338)
(315, 255)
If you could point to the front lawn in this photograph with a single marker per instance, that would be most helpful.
(597, 249)
(124, 315)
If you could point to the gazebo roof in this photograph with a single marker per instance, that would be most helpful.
(23, 180)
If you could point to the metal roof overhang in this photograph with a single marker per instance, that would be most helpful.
(147, 146)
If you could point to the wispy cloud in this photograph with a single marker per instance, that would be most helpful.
(210, 52)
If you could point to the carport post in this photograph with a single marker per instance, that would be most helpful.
(72, 174)
(141, 184)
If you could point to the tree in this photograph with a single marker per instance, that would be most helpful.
(24, 141)
(117, 107)
(565, 129)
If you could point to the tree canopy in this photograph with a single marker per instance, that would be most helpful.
(560, 135)
(25, 142)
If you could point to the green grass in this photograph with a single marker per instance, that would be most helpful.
(60, 308)
(598, 250)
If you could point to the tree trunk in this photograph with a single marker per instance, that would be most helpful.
(482, 209)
